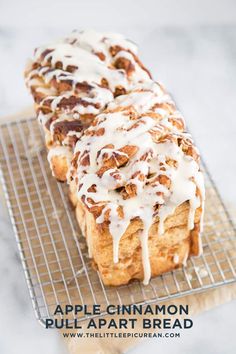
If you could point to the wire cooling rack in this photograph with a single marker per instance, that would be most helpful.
(53, 251)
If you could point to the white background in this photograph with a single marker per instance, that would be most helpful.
(188, 45)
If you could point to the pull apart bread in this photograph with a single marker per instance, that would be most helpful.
(73, 80)
(133, 171)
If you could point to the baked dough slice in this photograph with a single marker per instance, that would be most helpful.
(73, 80)
(137, 186)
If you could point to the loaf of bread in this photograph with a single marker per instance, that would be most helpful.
(73, 80)
(118, 139)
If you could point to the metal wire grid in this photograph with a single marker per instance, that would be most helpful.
(53, 251)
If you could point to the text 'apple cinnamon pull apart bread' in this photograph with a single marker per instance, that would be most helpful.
(117, 138)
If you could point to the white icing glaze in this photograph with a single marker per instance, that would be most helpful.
(90, 68)
(81, 51)
(97, 42)
(185, 260)
(142, 100)
(147, 222)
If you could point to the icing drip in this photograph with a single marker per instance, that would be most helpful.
(147, 222)
(182, 188)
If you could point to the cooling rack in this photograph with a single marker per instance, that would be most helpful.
(53, 251)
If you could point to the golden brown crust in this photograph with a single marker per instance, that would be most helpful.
(59, 166)
(72, 194)
(166, 252)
